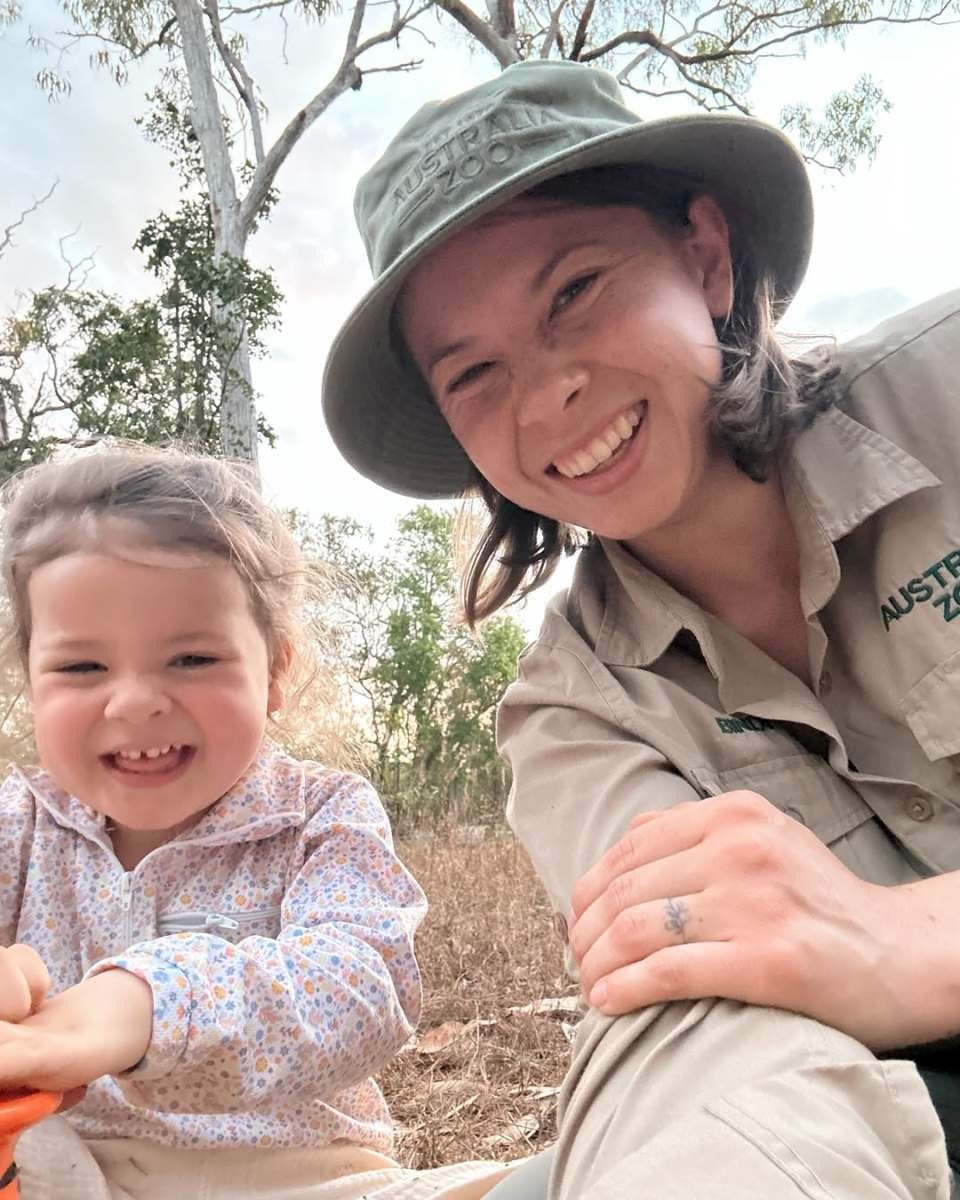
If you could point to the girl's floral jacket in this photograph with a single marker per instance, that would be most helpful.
(276, 934)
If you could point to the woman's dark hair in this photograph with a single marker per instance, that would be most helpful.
(763, 399)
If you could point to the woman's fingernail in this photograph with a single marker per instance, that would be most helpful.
(598, 997)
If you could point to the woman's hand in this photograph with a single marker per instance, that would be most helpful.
(729, 897)
(100, 1027)
(24, 982)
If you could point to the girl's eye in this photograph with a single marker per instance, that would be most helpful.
(470, 375)
(80, 668)
(194, 660)
(572, 291)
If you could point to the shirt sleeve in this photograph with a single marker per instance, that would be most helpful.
(315, 1010)
(578, 776)
(17, 825)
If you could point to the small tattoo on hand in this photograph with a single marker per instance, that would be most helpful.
(675, 917)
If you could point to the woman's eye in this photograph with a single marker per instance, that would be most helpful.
(470, 375)
(572, 291)
(194, 660)
(80, 668)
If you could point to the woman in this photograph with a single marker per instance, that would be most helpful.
(733, 741)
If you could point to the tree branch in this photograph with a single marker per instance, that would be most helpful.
(583, 26)
(134, 50)
(503, 18)
(630, 37)
(552, 33)
(659, 95)
(729, 49)
(347, 75)
(7, 240)
(503, 51)
(801, 31)
(78, 270)
(246, 10)
(159, 40)
(240, 76)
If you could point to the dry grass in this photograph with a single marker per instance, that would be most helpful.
(484, 1086)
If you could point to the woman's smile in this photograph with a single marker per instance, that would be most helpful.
(572, 351)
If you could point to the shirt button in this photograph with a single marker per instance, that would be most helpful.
(919, 808)
(826, 683)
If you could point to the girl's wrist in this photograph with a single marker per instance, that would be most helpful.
(114, 1008)
(128, 1000)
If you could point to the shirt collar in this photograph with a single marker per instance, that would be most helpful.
(837, 474)
(642, 613)
(848, 472)
(267, 798)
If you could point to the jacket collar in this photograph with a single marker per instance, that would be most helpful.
(837, 474)
(269, 797)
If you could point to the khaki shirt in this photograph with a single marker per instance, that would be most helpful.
(634, 698)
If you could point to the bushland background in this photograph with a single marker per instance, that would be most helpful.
(176, 252)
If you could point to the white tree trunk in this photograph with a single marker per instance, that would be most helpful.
(233, 217)
(238, 417)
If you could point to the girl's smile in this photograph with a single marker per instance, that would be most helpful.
(150, 684)
(150, 768)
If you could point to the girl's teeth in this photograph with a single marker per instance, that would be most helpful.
(153, 752)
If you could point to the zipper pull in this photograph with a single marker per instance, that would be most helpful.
(126, 902)
(219, 921)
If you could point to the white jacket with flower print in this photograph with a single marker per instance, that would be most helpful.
(276, 934)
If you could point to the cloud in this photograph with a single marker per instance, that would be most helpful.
(848, 315)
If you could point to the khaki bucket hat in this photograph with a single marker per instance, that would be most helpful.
(458, 159)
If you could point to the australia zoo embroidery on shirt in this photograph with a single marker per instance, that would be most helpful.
(938, 585)
(743, 723)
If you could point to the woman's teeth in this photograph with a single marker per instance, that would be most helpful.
(603, 446)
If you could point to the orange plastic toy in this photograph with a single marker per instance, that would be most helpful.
(19, 1110)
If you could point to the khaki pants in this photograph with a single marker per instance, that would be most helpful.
(713, 1100)
(55, 1164)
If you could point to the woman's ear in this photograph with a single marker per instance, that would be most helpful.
(708, 243)
(279, 670)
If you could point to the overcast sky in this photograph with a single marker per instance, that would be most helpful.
(886, 237)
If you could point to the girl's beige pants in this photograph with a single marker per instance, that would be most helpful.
(55, 1164)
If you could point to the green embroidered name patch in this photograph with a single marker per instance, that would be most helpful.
(742, 723)
(939, 585)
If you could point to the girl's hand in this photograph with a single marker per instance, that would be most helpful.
(729, 897)
(24, 982)
(100, 1027)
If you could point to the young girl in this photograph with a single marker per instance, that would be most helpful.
(224, 934)
(734, 742)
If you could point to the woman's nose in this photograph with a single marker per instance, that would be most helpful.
(548, 388)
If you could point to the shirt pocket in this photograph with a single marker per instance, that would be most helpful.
(803, 786)
(930, 710)
(232, 926)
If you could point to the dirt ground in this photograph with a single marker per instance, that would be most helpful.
(481, 1079)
